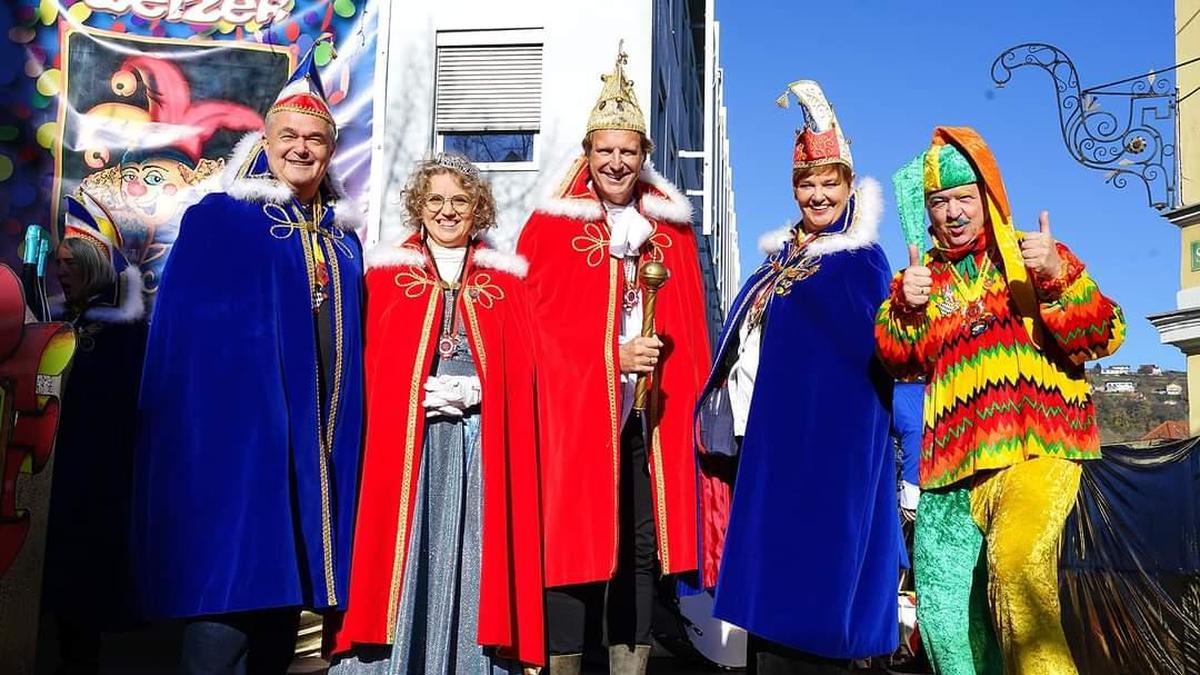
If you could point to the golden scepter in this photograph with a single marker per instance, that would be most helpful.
(652, 275)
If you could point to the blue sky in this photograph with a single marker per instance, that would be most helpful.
(894, 70)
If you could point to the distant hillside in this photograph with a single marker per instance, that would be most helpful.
(1127, 416)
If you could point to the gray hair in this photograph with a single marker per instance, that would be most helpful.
(96, 270)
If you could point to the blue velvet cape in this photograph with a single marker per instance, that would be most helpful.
(231, 509)
(812, 551)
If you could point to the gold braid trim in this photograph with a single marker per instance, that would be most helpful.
(410, 441)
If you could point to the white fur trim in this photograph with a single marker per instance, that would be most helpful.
(390, 253)
(260, 190)
(512, 263)
(773, 241)
(580, 208)
(133, 304)
(863, 232)
(675, 208)
(347, 213)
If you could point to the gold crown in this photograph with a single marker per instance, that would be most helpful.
(617, 108)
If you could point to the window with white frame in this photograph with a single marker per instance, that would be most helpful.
(488, 102)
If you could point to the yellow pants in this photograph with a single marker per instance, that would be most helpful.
(1018, 512)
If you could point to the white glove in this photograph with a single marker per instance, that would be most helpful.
(450, 395)
(909, 496)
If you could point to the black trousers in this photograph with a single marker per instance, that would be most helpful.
(247, 643)
(78, 647)
(627, 600)
(764, 657)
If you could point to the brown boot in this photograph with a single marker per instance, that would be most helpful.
(566, 664)
(628, 659)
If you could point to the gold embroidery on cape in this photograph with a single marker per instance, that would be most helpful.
(593, 242)
(325, 431)
(331, 424)
(473, 323)
(614, 416)
(414, 280)
(481, 290)
(660, 487)
(410, 442)
(658, 241)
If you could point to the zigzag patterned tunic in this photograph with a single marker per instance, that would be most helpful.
(995, 398)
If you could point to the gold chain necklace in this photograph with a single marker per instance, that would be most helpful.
(966, 299)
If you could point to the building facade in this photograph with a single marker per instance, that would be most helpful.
(510, 86)
(1181, 327)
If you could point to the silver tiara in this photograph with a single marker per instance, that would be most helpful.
(457, 163)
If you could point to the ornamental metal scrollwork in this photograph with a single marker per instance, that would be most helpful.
(1125, 128)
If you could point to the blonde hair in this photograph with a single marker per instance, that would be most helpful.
(476, 188)
(94, 267)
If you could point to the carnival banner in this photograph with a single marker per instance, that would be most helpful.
(139, 102)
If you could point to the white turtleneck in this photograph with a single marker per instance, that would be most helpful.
(449, 261)
(448, 393)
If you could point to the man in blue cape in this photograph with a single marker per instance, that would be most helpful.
(251, 402)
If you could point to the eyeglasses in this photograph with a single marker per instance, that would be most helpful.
(460, 203)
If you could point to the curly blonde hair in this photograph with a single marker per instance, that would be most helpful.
(476, 188)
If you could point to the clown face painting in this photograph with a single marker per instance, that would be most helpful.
(149, 138)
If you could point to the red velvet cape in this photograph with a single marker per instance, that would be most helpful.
(575, 290)
(404, 312)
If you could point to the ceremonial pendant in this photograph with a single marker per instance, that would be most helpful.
(948, 303)
(447, 345)
(629, 300)
(977, 318)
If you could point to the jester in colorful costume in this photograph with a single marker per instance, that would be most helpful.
(252, 399)
(618, 485)
(1000, 323)
(812, 553)
(88, 581)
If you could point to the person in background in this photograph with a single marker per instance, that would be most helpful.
(87, 578)
(908, 400)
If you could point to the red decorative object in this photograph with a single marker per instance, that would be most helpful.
(812, 147)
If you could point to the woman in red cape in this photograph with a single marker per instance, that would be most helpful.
(446, 574)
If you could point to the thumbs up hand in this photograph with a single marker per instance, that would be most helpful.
(1039, 251)
(917, 281)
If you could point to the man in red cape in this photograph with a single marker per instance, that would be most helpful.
(618, 485)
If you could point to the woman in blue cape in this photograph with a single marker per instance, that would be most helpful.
(811, 555)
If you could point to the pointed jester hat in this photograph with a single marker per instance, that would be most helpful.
(959, 156)
(88, 220)
(820, 141)
(304, 92)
